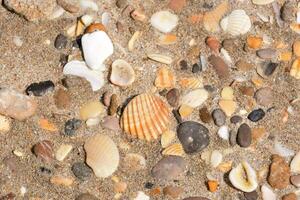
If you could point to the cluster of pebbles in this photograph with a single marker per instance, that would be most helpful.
(203, 114)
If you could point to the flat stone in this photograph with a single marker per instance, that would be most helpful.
(243, 65)
(111, 123)
(40, 88)
(219, 117)
(62, 99)
(256, 115)
(82, 171)
(264, 96)
(290, 196)
(220, 66)
(44, 150)
(279, 176)
(251, 195)
(244, 137)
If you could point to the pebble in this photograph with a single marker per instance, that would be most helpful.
(133, 162)
(193, 136)
(213, 44)
(256, 115)
(91, 109)
(279, 175)
(288, 11)
(167, 138)
(248, 91)
(60, 42)
(183, 65)
(71, 126)
(16, 105)
(185, 110)
(177, 5)
(61, 180)
(40, 88)
(5, 124)
(196, 68)
(266, 53)
(264, 96)
(223, 132)
(114, 104)
(63, 151)
(228, 106)
(290, 196)
(251, 195)
(120, 187)
(121, 3)
(267, 69)
(44, 150)
(220, 66)
(212, 185)
(232, 137)
(169, 168)
(254, 42)
(173, 97)
(82, 171)
(244, 138)
(196, 198)
(243, 65)
(295, 180)
(68, 5)
(62, 99)
(106, 98)
(86, 196)
(236, 119)
(141, 196)
(268, 193)
(111, 123)
(219, 117)
(173, 191)
(205, 116)
(296, 48)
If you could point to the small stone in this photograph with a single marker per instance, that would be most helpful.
(177, 5)
(169, 168)
(227, 93)
(205, 115)
(256, 115)
(267, 53)
(254, 42)
(185, 110)
(44, 150)
(258, 133)
(290, 196)
(244, 137)
(264, 96)
(139, 15)
(219, 117)
(111, 123)
(68, 5)
(216, 158)
(91, 109)
(223, 132)
(236, 119)
(61, 180)
(40, 89)
(121, 3)
(267, 69)
(248, 91)
(295, 70)
(279, 175)
(82, 171)
(196, 68)
(213, 44)
(62, 99)
(296, 48)
(106, 98)
(173, 97)
(288, 11)
(71, 126)
(212, 185)
(164, 21)
(173, 191)
(120, 187)
(295, 180)
(60, 42)
(63, 151)
(220, 66)
(232, 137)
(149, 185)
(251, 195)
(140, 196)
(86, 196)
(193, 136)
(228, 106)
(9, 196)
(183, 65)
(133, 162)
(114, 104)
(45, 170)
(5, 124)
(268, 193)
(196, 198)
(243, 65)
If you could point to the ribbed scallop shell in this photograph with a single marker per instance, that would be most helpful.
(164, 78)
(174, 150)
(145, 117)
(102, 155)
(237, 23)
(191, 83)
(211, 19)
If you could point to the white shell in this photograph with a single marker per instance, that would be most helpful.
(262, 2)
(195, 98)
(97, 47)
(141, 196)
(164, 21)
(79, 68)
(268, 193)
(295, 164)
(215, 158)
(223, 132)
(89, 4)
(122, 73)
(102, 155)
(282, 150)
(236, 23)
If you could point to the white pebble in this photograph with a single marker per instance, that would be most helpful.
(267, 193)
(164, 21)
(216, 158)
(23, 190)
(89, 4)
(92, 121)
(17, 41)
(223, 132)
(141, 196)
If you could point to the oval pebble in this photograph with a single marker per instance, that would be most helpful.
(244, 136)
(44, 150)
(256, 115)
(86, 196)
(219, 117)
(236, 119)
(40, 88)
(173, 97)
(193, 136)
(81, 171)
(220, 66)
(264, 96)
(295, 180)
(251, 195)
(267, 53)
(60, 42)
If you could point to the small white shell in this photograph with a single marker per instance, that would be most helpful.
(236, 23)
(262, 2)
(164, 21)
(268, 193)
(79, 68)
(195, 98)
(122, 73)
(97, 47)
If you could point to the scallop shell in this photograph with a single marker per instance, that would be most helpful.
(145, 117)
(211, 19)
(122, 73)
(191, 83)
(164, 78)
(174, 150)
(262, 2)
(237, 23)
(102, 155)
(195, 98)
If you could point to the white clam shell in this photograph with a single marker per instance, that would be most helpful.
(262, 2)
(164, 21)
(268, 193)
(79, 68)
(237, 179)
(295, 164)
(102, 155)
(97, 47)
(195, 98)
(236, 23)
(89, 4)
(122, 74)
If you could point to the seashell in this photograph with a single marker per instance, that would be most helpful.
(227, 93)
(90, 110)
(236, 23)
(164, 21)
(185, 110)
(268, 193)
(164, 78)
(89, 4)
(145, 117)
(174, 150)
(237, 179)
(97, 47)
(166, 138)
(215, 158)
(167, 39)
(63, 151)
(295, 164)
(211, 19)
(295, 70)
(102, 155)
(195, 98)
(79, 68)
(133, 39)
(262, 2)
(87, 20)
(282, 150)
(160, 58)
(122, 74)
(191, 83)
(95, 27)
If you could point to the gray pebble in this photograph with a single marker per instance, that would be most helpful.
(264, 96)
(81, 171)
(244, 136)
(60, 42)
(236, 119)
(267, 53)
(219, 117)
(295, 180)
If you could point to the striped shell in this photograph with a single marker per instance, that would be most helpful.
(237, 23)
(164, 78)
(262, 2)
(190, 83)
(145, 117)
(174, 150)
(211, 19)
(102, 155)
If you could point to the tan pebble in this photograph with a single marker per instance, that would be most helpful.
(243, 65)
(225, 166)
(120, 187)
(115, 179)
(166, 138)
(164, 78)
(174, 150)
(228, 106)
(285, 56)
(295, 70)
(5, 124)
(173, 191)
(248, 91)
(139, 15)
(92, 109)
(62, 99)
(185, 110)
(63, 151)
(122, 73)
(212, 185)
(279, 175)
(114, 104)
(18, 153)
(258, 133)
(296, 48)
(61, 180)
(227, 93)
(257, 81)
(133, 39)
(167, 39)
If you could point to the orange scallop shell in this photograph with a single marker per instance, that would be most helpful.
(145, 117)
(191, 83)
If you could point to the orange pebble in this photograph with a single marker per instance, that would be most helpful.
(168, 39)
(212, 185)
(285, 56)
(254, 42)
(155, 191)
(46, 125)
(296, 48)
(95, 27)
(213, 44)
(195, 19)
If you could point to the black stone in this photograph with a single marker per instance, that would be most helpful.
(183, 65)
(63, 59)
(251, 195)
(81, 171)
(71, 126)
(177, 116)
(193, 136)
(244, 137)
(60, 42)
(149, 185)
(41, 88)
(45, 170)
(256, 115)
(196, 68)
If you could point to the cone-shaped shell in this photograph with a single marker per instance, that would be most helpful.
(191, 83)
(164, 78)
(237, 23)
(145, 117)
(102, 155)
(174, 150)
(212, 18)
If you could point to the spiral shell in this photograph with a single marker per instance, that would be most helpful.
(191, 83)
(145, 117)
(237, 23)
(211, 19)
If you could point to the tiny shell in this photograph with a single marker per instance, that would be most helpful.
(102, 155)
(160, 58)
(295, 70)
(122, 74)
(237, 23)
(164, 21)
(195, 98)
(92, 109)
(133, 39)
(145, 117)
(174, 150)
(191, 83)
(166, 138)
(211, 19)
(164, 78)
(295, 164)
(262, 2)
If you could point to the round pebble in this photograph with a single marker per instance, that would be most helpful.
(264, 96)
(267, 53)
(60, 42)
(183, 65)
(82, 171)
(173, 97)
(251, 195)
(244, 136)
(295, 180)
(236, 119)
(196, 68)
(40, 89)
(71, 126)
(256, 115)
(86, 196)
(193, 136)
(219, 117)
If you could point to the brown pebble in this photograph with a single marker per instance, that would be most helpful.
(267, 53)
(86, 196)
(66, 5)
(106, 98)
(264, 96)
(62, 99)
(220, 66)
(290, 196)
(139, 15)
(243, 65)
(295, 180)
(155, 191)
(244, 137)
(248, 91)
(177, 5)
(120, 187)
(173, 191)
(213, 44)
(173, 97)
(279, 176)
(44, 150)
(205, 116)
(111, 123)
(114, 104)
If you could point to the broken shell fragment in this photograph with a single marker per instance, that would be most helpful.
(237, 23)
(90, 110)
(160, 58)
(167, 39)
(166, 138)
(133, 39)
(122, 74)
(95, 27)
(191, 83)
(212, 18)
(164, 78)
(174, 150)
(195, 98)
(164, 21)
